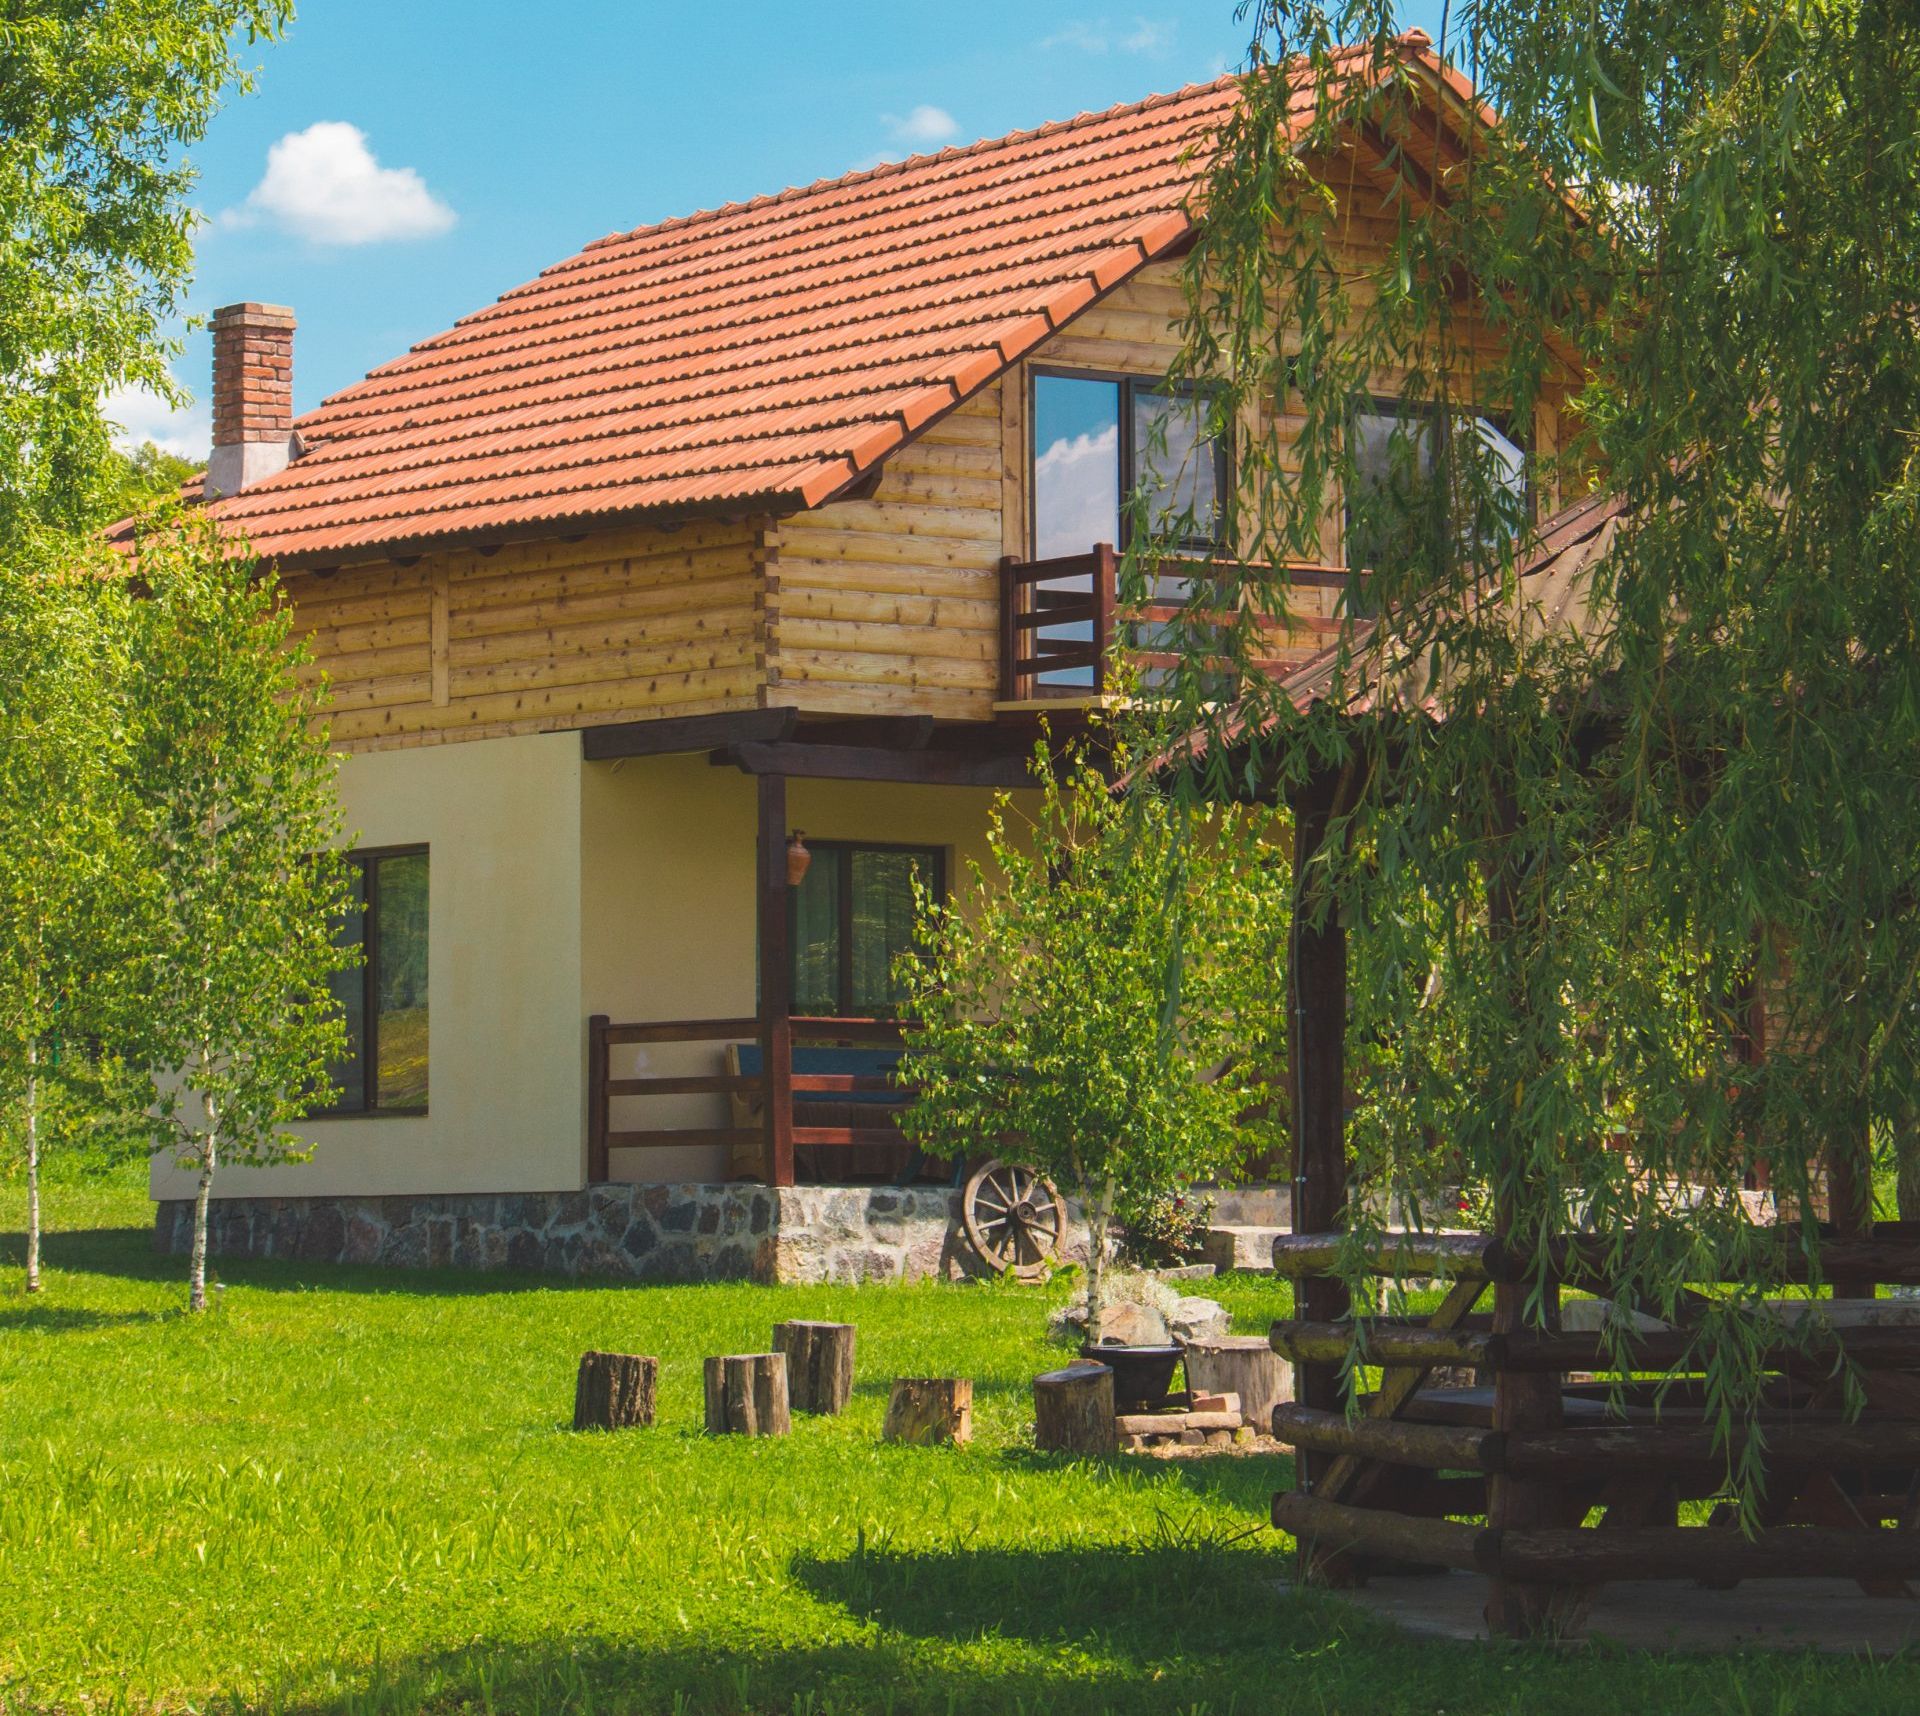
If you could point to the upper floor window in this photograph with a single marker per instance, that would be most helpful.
(385, 997)
(1098, 440)
(852, 915)
(1397, 500)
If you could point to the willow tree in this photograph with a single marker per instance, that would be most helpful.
(1695, 232)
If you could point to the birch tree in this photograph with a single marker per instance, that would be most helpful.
(234, 803)
(60, 848)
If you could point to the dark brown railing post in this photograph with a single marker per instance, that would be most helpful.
(598, 1168)
(776, 977)
(1105, 593)
(1009, 629)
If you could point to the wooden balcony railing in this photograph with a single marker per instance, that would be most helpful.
(773, 1139)
(1060, 620)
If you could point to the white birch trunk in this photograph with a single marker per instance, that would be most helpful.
(197, 1268)
(33, 1168)
(1099, 1221)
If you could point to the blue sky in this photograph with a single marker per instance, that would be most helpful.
(400, 164)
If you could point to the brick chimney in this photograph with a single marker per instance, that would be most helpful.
(252, 396)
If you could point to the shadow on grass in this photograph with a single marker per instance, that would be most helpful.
(39, 1317)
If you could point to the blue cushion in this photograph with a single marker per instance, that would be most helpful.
(831, 1058)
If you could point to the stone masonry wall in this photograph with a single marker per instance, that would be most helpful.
(795, 1234)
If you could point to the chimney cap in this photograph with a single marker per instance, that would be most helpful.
(254, 312)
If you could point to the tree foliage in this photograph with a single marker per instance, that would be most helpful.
(1054, 1023)
(98, 99)
(1701, 220)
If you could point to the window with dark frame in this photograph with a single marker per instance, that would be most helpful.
(1102, 444)
(1393, 447)
(384, 999)
(850, 917)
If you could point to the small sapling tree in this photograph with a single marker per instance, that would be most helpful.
(60, 848)
(1101, 1008)
(234, 802)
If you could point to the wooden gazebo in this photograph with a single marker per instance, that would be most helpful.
(1520, 1452)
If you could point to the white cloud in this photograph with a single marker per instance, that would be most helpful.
(141, 416)
(925, 127)
(1076, 481)
(325, 185)
(1151, 36)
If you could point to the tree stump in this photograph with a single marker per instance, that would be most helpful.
(614, 1391)
(1073, 1410)
(927, 1410)
(747, 1395)
(819, 1364)
(1245, 1365)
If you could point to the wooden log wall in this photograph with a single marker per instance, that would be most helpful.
(540, 636)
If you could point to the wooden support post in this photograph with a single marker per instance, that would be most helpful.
(1073, 1410)
(597, 1073)
(747, 1395)
(614, 1391)
(819, 1364)
(1850, 1199)
(1245, 1365)
(1316, 1036)
(1105, 582)
(1012, 687)
(930, 1410)
(776, 975)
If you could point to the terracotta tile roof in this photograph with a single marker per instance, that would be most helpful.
(759, 356)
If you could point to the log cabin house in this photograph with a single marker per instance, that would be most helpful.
(776, 526)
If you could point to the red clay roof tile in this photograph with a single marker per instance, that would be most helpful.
(760, 356)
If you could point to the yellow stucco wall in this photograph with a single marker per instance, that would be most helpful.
(667, 909)
(507, 1103)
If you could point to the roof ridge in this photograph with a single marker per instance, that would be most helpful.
(886, 169)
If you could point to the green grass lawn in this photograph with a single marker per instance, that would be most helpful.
(352, 1490)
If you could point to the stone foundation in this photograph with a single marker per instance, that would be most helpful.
(617, 1231)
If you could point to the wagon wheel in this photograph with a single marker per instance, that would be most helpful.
(1014, 1218)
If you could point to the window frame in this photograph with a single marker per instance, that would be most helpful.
(1128, 381)
(843, 956)
(367, 859)
(1380, 405)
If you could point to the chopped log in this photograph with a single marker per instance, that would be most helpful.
(1387, 1342)
(1434, 1447)
(1873, 1348)
(1150, 1423)
(1458, 1256)
(1335, 1529)
(747, 1395)
(1580, 1556)
(1214, 1421)
(614, 1391)
(819, 1364)
(1073, 1410)
(1789, 1447)
(930, 1410)
(1244, 1365)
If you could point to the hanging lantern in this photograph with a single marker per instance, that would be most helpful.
(798, 859)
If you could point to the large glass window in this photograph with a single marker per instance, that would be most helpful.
(1099, 444)
(1397, 502)
(1099, 440)
(852, 914)
(384, 999)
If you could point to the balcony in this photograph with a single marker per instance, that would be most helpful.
(1061, 619)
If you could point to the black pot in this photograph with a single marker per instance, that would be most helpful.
(1142, 1376)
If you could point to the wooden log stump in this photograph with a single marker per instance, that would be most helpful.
(928, 1410)
(747, 1395)
(1073, 1410)
(819, 1364)
(614, 1391)
(1245, 1365)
